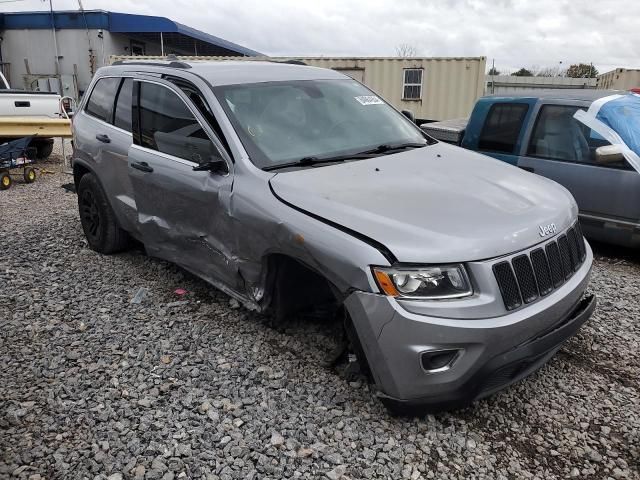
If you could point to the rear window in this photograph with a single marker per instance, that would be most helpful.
(502, 127)
(100, 102)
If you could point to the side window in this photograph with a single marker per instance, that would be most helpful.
(201, 104)
(559, 136)
(122, 115)
(100, 102)
(502, 127)
(168, 126)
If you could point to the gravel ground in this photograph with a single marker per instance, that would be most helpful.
(92, 386)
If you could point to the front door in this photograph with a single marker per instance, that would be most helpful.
(182, 213)
(563, 149)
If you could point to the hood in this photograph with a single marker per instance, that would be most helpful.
(434, 204)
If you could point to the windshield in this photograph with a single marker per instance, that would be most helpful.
(283, 122)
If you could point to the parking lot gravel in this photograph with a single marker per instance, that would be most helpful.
(195, 386)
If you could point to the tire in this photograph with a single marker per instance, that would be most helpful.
(98, 219)
(29, 175)
(43, 149)
(5, 181)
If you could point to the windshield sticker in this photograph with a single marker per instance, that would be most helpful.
(369, 100)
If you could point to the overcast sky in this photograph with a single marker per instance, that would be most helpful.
(513, 32)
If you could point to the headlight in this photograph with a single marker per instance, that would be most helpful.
(447, 281)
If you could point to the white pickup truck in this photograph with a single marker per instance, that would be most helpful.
(22, 103)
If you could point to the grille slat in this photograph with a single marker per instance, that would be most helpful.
(581, 248)
(508, 285)
(524, 274)
(565, 256)
(542, 272)
(526, 277)
(573, 249)
(555, 263)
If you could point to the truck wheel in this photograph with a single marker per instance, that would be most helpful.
(98, 219)
(29, 175)
(43, 149)
(5, 181)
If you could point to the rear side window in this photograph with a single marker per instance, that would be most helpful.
(100, 102)
(122, 115)
(502, 127)
(168, 126)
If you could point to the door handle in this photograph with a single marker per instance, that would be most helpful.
(528, 169)
(23, 103)
(103, 138)
(142, 166)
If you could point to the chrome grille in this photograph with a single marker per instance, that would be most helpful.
(526, 277)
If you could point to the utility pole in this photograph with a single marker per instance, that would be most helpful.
(493, 71)
(55, 47)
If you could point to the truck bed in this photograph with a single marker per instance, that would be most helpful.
(450, 131)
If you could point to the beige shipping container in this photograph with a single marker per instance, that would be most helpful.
(619, 79)
(432, 88)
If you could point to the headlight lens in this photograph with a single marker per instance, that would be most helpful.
(439, 282)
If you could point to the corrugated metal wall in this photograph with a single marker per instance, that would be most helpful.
(620, 79)
(450, 86)
(511, 84)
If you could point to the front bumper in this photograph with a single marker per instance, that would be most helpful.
(495, 352)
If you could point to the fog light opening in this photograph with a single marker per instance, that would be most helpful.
(435, 361)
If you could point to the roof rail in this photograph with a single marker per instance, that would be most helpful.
(171, 64)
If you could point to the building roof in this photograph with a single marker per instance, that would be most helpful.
(233, 72)
(142, 26)
(589, 94)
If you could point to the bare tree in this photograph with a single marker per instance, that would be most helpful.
(406, 51)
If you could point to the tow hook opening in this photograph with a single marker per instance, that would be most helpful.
(440, 360)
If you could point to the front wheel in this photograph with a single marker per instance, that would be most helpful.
(98, 219)
(43, 149)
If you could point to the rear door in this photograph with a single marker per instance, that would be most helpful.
(563, 149)
(102, 135)
(183, 214)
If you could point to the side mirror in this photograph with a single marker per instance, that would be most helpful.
(213, 165)
(609, 154)
(409, 115)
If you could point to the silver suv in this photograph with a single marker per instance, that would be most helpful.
(293, 188)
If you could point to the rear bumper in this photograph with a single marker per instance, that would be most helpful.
(494, 352)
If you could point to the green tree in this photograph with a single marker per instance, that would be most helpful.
(582, 70)
(493, 71)
(523, 72)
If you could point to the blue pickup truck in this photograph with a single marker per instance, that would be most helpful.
(562, 135)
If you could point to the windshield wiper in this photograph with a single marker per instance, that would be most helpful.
(386, 147)
(312, 160)
(308, 161)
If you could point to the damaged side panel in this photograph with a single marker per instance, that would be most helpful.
(266, 227)
(183, 215)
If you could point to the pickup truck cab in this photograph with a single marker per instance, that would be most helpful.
(537, 132)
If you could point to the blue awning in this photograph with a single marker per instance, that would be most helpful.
(141, 25)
